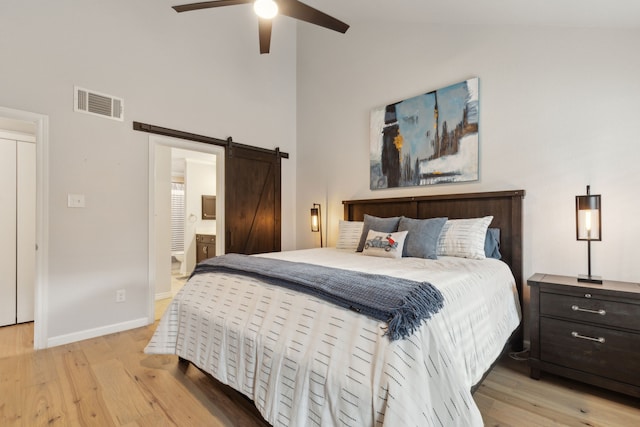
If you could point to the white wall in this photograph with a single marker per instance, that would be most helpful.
(199, 179)
(162, 221)
(558, 108)
(197, 72)
(558, 111)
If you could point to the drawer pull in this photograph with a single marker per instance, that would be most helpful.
(577, 335)
(600, 312)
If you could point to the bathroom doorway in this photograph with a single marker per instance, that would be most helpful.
(181, 172)
(193, 176)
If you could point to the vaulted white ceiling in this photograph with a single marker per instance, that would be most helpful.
(573, 13)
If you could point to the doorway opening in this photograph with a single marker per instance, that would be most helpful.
(181, 172)
(38, 126)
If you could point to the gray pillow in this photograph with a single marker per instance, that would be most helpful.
(385, 225)
(492, 243)
(422, 240)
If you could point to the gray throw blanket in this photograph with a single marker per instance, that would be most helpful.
(403, 304)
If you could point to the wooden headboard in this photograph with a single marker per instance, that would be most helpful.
(505, 206)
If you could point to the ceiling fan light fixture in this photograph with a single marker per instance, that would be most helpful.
(268, 9)
(265, 9)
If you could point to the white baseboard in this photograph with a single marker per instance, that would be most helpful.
(164, 295)
(97, 332)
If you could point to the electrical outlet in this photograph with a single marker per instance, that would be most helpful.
(121, 295)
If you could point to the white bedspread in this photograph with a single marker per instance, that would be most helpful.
(306, 362)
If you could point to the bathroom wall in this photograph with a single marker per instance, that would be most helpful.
(199, 179)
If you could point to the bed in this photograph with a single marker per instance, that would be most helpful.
(304, 361)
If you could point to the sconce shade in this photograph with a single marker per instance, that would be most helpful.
(315, 220)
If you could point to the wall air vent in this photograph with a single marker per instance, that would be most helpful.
(98, 104)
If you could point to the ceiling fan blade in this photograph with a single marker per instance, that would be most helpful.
(264, 30)
(208, 4)
(299, 10)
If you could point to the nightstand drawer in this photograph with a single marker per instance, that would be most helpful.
(594, 310)
(587, 348)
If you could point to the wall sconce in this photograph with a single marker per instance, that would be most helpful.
(316, 220)
(588, 227)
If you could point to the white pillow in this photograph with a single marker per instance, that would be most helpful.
(464, 237)
(349, 234)
(387, 245)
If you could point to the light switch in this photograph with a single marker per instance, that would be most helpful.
(75, 200)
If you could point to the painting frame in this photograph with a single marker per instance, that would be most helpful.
(428, 139)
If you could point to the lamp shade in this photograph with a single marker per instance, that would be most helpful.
(588, 227)
(588, 214)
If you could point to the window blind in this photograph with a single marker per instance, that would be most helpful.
(177, 217)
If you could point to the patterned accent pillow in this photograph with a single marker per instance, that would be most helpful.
(464, 237)
(383, 244)
(349, 233)
(385, 225)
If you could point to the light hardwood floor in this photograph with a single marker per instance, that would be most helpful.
(109, 381)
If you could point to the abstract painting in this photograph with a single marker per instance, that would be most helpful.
(428, 139)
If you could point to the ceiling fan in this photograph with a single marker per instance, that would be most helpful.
(267, 9)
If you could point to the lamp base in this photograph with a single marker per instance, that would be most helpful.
(590, 279)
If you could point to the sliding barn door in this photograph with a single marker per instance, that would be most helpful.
(252, 200)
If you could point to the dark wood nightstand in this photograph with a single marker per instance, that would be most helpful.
(586, 332)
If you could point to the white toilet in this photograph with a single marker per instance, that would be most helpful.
(179, 256)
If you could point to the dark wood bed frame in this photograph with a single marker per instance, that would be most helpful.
(505, 206)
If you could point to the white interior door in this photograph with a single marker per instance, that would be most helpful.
(26, 228)
(8, 232)
(34, 128)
